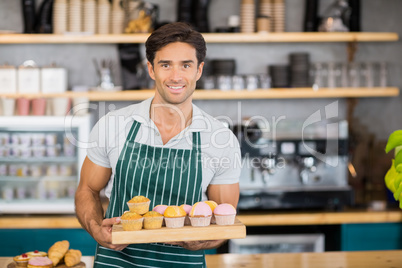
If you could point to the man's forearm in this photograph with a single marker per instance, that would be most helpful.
(88, 209)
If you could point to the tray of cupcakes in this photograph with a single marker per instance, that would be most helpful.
(201, 221)
(59, 255)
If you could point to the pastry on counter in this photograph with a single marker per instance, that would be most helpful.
(139, 204)
(22, 260)
(131, 221)
(40, 262)
(36, 253)
(225, 214)
(58, 250)
(153, 220)
(174, 217)
(72, 257)
(200, 214)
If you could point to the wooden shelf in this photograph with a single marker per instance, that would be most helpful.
(209, 38)
(275, 93)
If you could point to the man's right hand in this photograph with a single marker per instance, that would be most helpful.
(104, 234)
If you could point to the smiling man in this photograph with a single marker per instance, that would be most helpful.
(164, 148)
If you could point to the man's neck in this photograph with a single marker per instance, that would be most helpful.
(171, 119)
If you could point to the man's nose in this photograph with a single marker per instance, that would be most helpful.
(176, 74)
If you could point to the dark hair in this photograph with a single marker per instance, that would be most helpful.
(175, 32)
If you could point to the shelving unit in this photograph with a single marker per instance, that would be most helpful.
(296, 37)
(274, 93)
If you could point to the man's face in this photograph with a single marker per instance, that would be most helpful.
(175, 72)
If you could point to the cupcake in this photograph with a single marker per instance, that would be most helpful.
(225, 214)
(153, 220)
(37, 253)
(22, 260)
(160, 209)
(212, 204)
(187, 209)
(200, 214)
(174, 217)
(40, 262)
(139, 204)
(131, 221)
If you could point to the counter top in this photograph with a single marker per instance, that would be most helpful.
(355, 259)
(249, 219)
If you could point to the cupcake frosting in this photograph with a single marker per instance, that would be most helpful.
(212, 204)
(160, 209)
(187, 208)
(200, 209)
(38, 261)
(174, 212)
(225, 209)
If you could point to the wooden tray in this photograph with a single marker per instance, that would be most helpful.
(186, 233)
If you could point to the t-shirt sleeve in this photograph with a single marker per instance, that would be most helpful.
(97, 151)
(227, 164)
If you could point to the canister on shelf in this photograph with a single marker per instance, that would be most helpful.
(53, 79)
(39, 151)
(65, 170)
(51, 139)
(7, 193)
(3, 169)
(52, 170)
(28, 78)
(8, 79)
(4, 138)
(35, 170)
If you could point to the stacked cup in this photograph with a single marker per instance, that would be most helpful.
(247, 16)
(279, 15)
(103, 16)
(117, 21)
(60, 8)
(74, 15)
(265, 10)
(89, 16)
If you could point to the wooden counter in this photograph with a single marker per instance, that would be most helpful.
(249, 219)
(357, 259)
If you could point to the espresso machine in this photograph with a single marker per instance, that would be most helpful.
(293, 166)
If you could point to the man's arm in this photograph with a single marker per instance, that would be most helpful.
(221, 193)
(88, 205)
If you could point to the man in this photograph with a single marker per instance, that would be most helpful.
(164, 148)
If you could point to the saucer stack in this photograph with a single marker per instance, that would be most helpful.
(279, 75)
(74, 16)
(60, 8)
(103, 17)
(265, 10)
(278, 8)
(117, 21)
(247, 16)
(89, 16)
(299, 69)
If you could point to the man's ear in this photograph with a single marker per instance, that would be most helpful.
(151, 70)
(199, 70)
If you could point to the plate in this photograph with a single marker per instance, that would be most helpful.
(186, 233)
(79, 265)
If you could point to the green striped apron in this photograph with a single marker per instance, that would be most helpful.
(166, 176)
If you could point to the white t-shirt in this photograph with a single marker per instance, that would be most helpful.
(220, 150)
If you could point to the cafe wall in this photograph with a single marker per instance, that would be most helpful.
(380, 115)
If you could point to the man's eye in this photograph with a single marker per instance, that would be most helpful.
(165, 65)
(186, 66)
